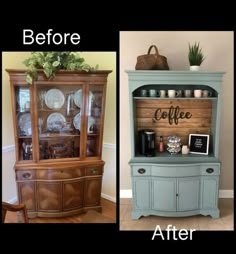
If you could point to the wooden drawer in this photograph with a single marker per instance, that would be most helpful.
(55, 174)
(210, 170)
(22, 175)
(91, 171)
(142, 170)
(176, 170)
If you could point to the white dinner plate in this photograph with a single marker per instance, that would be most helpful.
(54, 98)
(76, 122)
(78, 98)
(56, 122)
(91, 121)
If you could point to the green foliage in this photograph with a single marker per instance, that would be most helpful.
(195, 55)
(52, 61)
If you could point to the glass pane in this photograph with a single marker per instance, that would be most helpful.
(94, 119)
(59, 116)
(23, 122)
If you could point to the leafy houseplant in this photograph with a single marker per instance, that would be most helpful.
(195, 55)
(53, 61)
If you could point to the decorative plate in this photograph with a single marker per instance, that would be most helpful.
(54, 98)
(56, 122)
(24, 124)
(78, 98)
(91, 121)
(76, 121)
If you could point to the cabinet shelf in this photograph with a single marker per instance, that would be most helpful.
(24, 137)
(58, 110)
(56, 135)
(176, 98)
(166, 157)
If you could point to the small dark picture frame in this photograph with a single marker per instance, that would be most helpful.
(199, 143)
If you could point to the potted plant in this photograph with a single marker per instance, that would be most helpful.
(195, 56)
(52, 61)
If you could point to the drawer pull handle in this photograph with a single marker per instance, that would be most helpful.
(93, 171)
(210, 170)
(26, 175)
(62, 171)
(141, 171)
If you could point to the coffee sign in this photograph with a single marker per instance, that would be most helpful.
(173, 115)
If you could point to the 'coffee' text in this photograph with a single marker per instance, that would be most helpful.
(173, 115)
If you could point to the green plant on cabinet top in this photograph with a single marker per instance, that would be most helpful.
(195, 55)
(52, 61)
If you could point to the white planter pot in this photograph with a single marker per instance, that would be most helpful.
(194, 68)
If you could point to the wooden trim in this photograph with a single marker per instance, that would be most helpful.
(40, 71)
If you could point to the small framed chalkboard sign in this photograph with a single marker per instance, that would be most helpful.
(199, 143)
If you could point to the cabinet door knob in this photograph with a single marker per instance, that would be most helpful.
(141, 171)
(26, 175)
(93, 171)
(210, 170)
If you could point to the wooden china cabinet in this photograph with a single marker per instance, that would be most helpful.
(58, 128)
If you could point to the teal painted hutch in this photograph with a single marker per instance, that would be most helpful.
(175, 185)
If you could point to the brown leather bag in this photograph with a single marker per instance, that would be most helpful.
(152, 61)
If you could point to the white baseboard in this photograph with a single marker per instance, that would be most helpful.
(12, 200)
(109, 145)
(6, 149)
(226, 194)
(222, 194)
(125, 193)
(108, 197)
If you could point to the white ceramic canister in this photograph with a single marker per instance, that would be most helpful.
(185, 149)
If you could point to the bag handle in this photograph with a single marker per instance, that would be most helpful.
(153, 46)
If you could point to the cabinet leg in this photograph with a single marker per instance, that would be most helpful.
(136, 215)
(215, 214)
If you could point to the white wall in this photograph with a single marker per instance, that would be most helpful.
(219, 51)
(8, 174)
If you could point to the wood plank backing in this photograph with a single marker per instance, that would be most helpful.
(200, 122)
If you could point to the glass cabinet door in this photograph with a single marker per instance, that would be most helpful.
(95, 116)
(59, 120)
(23, 123)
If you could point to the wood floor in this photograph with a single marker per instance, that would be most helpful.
(199, 222)
(108, 216)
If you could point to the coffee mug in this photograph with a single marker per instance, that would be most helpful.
(206, 93)
(143, 93)
(173, 93)
(197, 93)
(153, 93)
(188, 93)
(162, 93)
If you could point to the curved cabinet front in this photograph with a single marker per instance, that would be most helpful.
(58, 192)
(175, 190)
